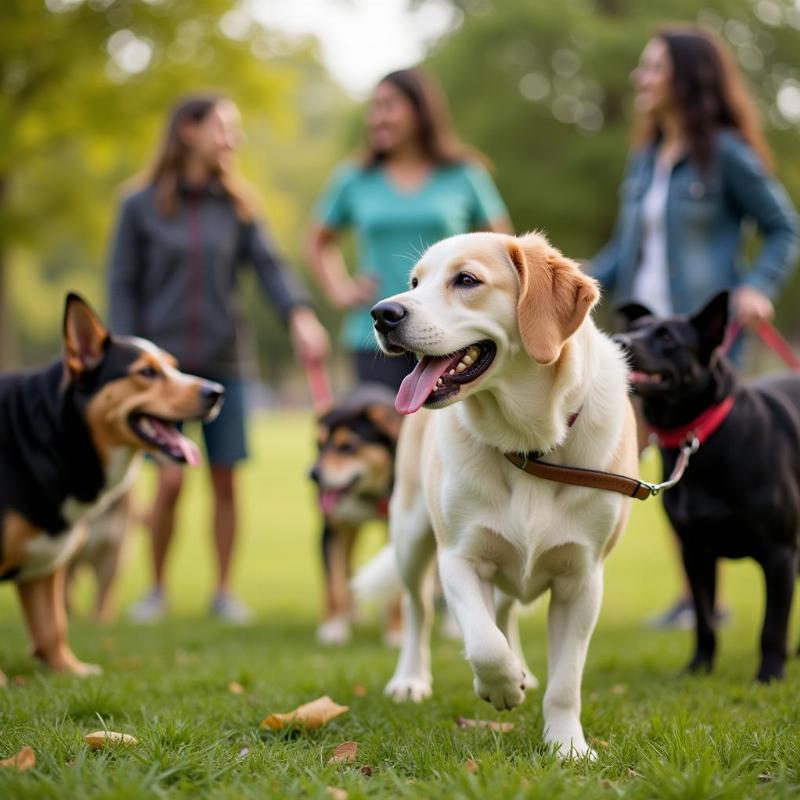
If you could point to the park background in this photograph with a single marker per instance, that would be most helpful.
(543, 89)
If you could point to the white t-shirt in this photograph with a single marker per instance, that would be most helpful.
(651, 284)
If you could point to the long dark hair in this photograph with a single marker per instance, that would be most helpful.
(165, 172)
(709, 93)
(437, 138)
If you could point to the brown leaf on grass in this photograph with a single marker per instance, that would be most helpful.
(345, 753)
(501, 727)
(336, 793)
(103, 739)
(309, 716)
(23, 760)
(618, 688)
(366, 770)
(235, 688)
(359, 690)
(599, 742)
(470, 766)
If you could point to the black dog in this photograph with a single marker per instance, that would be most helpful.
(68, 436)
(740, 496)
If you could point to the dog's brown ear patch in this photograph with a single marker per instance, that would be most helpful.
(385, 419)
(554, 296)
(85, 337)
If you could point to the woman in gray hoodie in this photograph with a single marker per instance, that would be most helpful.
(180, 242)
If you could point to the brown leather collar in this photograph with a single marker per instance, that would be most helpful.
(579, 476)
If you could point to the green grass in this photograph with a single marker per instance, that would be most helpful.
(657, 735)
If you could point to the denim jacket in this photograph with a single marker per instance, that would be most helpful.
(704, 231)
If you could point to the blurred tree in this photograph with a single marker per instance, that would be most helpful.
(87, 85)
(544, 90)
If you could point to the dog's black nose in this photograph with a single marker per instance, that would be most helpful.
(387, 315)
(314, 474)
(211, 392)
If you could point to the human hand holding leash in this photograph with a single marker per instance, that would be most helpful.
(309, 339)
(751, 306)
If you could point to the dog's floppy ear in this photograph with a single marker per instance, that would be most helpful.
(385, 419)
(86, 339)
(711, 322)
(630, 312)
(554, 296)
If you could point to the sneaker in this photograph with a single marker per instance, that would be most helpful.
(151, 608)
(227, 608)
(679, 616)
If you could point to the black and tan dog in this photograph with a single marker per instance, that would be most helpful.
(69, 434)
(740, 496)
(354, 473)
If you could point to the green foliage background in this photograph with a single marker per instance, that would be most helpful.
(542, 88)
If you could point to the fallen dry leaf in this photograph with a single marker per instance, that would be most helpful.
(336, 793)
(309, 716)
(100, 739)
(366, 771)
(618, 688)
(235, 688)
(501, 727)
(599, 742)
(23, 760)
(359, 690)
(345, 753)
(470, 766)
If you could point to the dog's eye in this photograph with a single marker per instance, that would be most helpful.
(465, 280)
(414, 283)
(148, 372)
(664, 336)
(348, 448)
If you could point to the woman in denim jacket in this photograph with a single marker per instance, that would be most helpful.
(701, 169)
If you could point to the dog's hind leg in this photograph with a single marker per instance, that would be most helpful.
(43, 606)
(414, 546)
(574, 608)
(507, 617)
(779, 576)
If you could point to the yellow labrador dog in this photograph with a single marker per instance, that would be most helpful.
(510, 361)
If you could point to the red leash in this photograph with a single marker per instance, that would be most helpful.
(768, 334)
(319, 385)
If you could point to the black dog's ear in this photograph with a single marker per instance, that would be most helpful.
(630, 312)
(86, 339)
(711, 322)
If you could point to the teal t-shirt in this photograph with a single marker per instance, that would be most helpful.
(393, 227)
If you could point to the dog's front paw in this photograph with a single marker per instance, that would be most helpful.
(530, 681)
(334, 631)
(700, 663)
(771, 669)
(502, 684)
(568, 741)
(402, 688)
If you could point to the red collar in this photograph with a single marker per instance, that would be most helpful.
(699, 428)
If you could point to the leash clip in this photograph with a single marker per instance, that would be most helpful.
(689, 448)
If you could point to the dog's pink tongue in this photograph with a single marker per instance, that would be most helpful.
(416, 386)
(172, 437)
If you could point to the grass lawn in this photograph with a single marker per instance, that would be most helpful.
(657, 734)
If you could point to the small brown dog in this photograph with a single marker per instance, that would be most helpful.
(354, 473)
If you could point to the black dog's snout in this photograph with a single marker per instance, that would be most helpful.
(387, 315)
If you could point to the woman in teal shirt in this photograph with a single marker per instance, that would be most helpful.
(416, 184)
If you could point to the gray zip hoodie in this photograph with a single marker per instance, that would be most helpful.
(173, 279)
